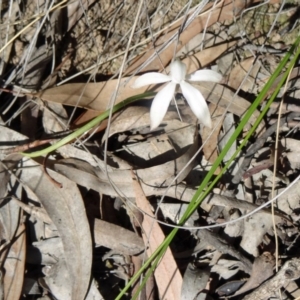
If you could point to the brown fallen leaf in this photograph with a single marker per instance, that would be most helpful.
(167, 275)
(239, 72)
(95, 96)
(206, 56)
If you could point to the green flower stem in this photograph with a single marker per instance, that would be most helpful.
(94, 122)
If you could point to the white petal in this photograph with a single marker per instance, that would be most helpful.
(160, 104)
(177, 71)
(150, 78)
(205, 75)
(197, 103)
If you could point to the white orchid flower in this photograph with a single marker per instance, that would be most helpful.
(193, 96)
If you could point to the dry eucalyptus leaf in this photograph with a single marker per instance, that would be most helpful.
(86, 175)
(206, 56)
(65, 208)
(146, 150)
(120, 178)
(211, 140)
(34, 211)
(133, 117)
(12, 235)
(240, 74)
(8, 135)
(167, 275)
(95, 96)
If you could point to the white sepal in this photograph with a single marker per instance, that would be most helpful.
(205, 75)
(197, 103)
(150, 78)
(160, 104)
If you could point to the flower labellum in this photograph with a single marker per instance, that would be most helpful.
(192, 95)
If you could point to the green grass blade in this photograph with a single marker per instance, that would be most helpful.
(202, 191)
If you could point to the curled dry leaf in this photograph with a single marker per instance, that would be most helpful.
(260, 223)
(224, 247)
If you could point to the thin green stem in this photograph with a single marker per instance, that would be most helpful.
(94, 122)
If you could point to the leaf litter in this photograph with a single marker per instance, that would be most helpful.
(82, 229)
